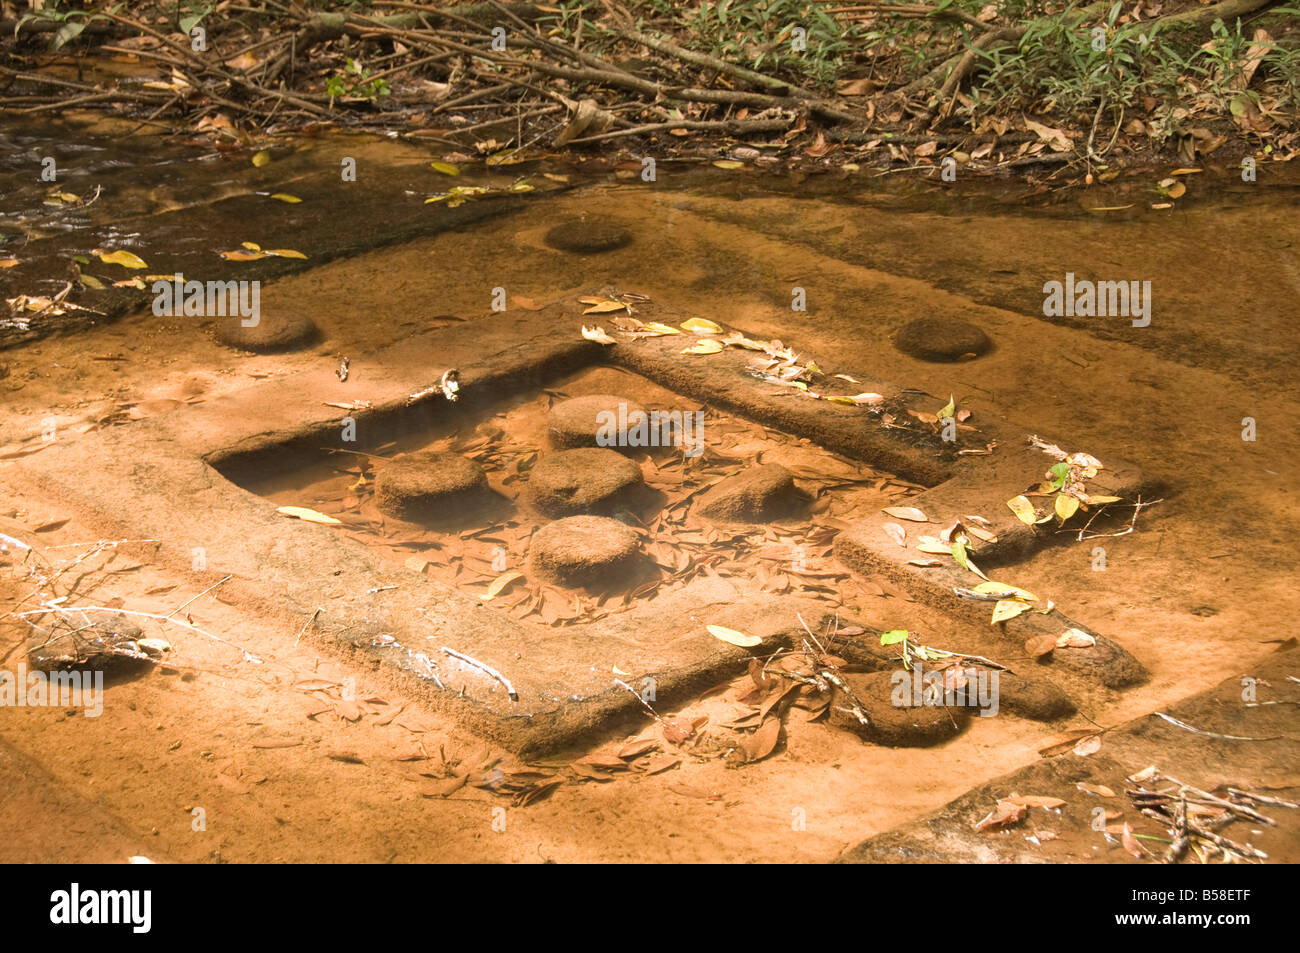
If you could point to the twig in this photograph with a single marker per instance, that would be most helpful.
(488, 669)
(203, 593)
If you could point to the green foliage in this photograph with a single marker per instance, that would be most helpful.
(759, 34)
(354, 81)
(73, 22)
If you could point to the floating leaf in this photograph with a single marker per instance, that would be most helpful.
(1036, 800)
(1098, 789)
(763, 741)
(987, 587)
(121, 257)
(500, 583)
(906, 513)
(701, 326)
(857, 399)
(446, 168)
(1039, 644)
(285, 253)
(728, 164)
(1023, 509)
(1075, 639)
(703, 347)
(261, 158)
(1006, 609)
(1006, 814)
(303, 513)
(604, 307)
(655, 329)
(285, 197)
(1065, 506)
(929, 544)
(733, 637)
(241, 255)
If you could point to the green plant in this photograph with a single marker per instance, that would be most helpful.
(354, 82)
(72, 22)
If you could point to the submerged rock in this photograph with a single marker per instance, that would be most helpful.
(757, 495)
(278, 331)
(429, 485)
(587, 237)
(897, 726)
(941, 339)
(1035, 698)
(583, 550)
(585, 480)
(587, 421)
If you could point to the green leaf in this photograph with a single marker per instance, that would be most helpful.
(948, 409)
(1059, 472)
(893, 636)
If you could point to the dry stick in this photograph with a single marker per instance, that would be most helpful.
(204, 65)
(488, 669)
(203, 593)
(732, 126)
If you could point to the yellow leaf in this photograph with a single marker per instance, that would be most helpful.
(261, 158)
(8, 262)
(701, 326)
(604, 307)
(1103, 499)
(1008, 609)
(121, 257)
(251, 246)
(416, 563)
(703, 347)
(303, 513)
(1065, 506)
(242, 255)
(907, 513)
(1023, 509)
(728, 164)
(285, 253)
(446, 168)
(655, 329)
(286, 197)
(733, 637)
(500, 583)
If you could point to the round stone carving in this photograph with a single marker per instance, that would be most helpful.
(585, 480)
(277, 331)
(941, 339)
(429, 486)
(583, 550)
(594, 420)
(587, 238)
